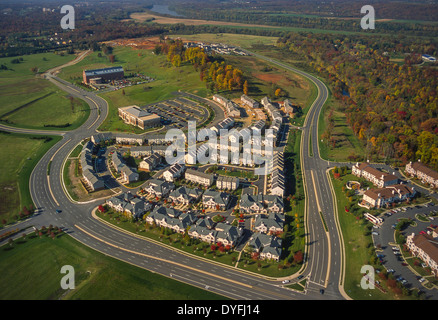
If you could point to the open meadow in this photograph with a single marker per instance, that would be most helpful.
(37, 262)
(28, 101)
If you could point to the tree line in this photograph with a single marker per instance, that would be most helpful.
(213, 70)
(392, 108)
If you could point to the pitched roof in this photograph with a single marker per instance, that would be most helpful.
(428, 244)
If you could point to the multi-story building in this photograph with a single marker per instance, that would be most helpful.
(174, 172)
(269, 247)
(227, 183)
(216, 200)
(271, 224)
(261, 204)
(199, 177)
(230, 107)
(128, 175)
(158, 188)
(130, 204)
(103, 75)
(250, 102)
(149, 163)
(422, 172)
(135, 116)
(425, 247)
(184, 195)
(171, 218)
(383, 197)
(378, 178)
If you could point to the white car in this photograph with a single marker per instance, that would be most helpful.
(285, 281)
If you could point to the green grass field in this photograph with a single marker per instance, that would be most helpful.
(27, 100)
(358, 247)
(168, 80)
(31, 271)
(346, 144)
(19, 156)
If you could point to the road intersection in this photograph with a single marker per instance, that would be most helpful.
(324, 263)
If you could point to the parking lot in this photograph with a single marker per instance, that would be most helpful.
(177, 112)
(389, 253)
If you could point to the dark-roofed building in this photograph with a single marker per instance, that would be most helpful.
(91, 180)
(228, 234)
(185, 195)
(150, 162)
(216, 200)
(271, 224)
(158, 188)
(171, 218)
(128, 203)
(269, 247)
(103, 75)
(128, 175)
(261, 203)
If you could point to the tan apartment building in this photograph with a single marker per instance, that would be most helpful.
(426, 248)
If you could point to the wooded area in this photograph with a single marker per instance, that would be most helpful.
(392, 108)
(214, 71)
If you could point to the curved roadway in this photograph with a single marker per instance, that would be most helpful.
(324, 254)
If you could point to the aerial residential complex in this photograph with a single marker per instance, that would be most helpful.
(240, 150)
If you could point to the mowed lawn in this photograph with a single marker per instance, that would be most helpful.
(346, 143)
(168, 79)
(31, 270)
(19, 155)
(27, 100)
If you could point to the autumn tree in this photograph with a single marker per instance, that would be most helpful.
(245, 87)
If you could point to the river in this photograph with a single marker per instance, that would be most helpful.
(158, 8)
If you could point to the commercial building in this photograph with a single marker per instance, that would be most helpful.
(103, 75)
(135, 116)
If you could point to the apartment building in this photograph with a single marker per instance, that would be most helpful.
(378, 178)
(199, 177)
(227, 183)
(250, 102)
(383, 197)
(422, 172)
(425, 247)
